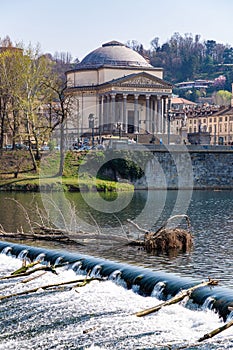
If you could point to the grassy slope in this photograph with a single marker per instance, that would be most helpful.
(11, 161)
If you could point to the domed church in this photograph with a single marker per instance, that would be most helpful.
(115, 87)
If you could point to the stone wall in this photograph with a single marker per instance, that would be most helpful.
(198, 167)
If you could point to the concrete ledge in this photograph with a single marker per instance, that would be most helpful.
(175, 148)
(190, 148)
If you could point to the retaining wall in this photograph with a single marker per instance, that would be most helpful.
(198, 167)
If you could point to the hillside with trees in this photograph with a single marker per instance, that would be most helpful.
(187, 58)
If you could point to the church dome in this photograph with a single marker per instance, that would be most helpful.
(113, 53)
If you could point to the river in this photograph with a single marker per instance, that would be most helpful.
(210, 213)
(100, 316)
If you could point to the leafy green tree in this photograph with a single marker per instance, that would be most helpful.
(228, 55)
(9, 115)
(33, 98)
(23, 72)
(32, 95)
(210, 48)
(222, 98)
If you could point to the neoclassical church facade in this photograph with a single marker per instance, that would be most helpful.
(117, 87)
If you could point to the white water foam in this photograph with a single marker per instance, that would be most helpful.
(97, 316)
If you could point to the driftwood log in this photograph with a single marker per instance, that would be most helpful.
(166, 239)
(216, 331)
(177, 298)
(45, 234)
(77, 283)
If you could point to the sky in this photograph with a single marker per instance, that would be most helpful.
(80, 26)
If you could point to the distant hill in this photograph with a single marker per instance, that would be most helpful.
(187, 58)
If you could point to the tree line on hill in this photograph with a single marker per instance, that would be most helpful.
(188, 58)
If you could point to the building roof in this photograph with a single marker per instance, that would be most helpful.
(224, 111)
(113, 53)
(182, 101)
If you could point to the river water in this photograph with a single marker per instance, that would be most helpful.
(100, 315)
(210, 213)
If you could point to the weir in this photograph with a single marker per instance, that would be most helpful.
(145, 281)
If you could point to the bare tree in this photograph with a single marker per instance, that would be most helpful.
(61, 109)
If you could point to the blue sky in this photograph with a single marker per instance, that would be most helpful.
(80, 26)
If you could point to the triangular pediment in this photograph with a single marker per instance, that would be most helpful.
(142, 79)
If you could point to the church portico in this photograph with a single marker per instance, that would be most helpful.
(136, 102)
(137, 112)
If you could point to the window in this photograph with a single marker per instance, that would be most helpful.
(226, 119)
(204, 121)
(215, 120)
(220, 127)
(194, 121)
(195, 129)
(225, 127)
(210, 120)
(220, 119)
(190, 130)
(210, 129)
(204, 128)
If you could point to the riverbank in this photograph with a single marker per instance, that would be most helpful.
(36, 184)
(16, 174)
(172, 167)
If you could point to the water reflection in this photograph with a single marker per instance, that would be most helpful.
(210, 213)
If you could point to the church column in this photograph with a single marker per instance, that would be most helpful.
(147, 113)
(168, 108)
(101, 103)
(136, 114)
(154, 121)
(113, 111)
(125, 119)
(119, 116)
(108, 112)
(164, 114)
(105, 111)
(159, 114)
(150, 115)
